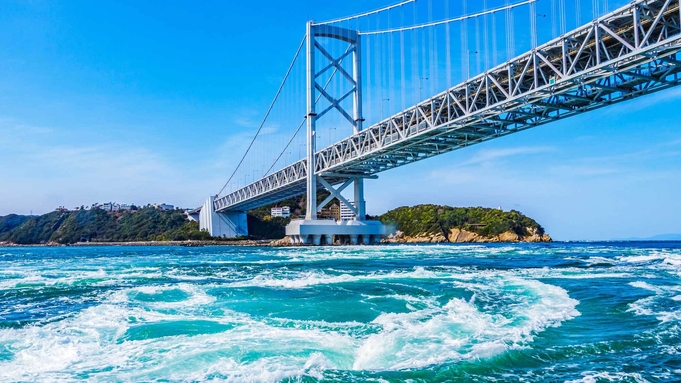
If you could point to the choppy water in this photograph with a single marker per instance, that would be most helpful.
(559, 312)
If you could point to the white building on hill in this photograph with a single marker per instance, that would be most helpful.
(345, 213)
(164, 206)
(109, 206)
(277, 211)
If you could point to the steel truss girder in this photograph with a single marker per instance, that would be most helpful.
(628, 53)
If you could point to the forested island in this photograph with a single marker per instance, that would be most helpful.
(435, 223)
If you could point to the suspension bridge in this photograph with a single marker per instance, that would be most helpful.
(617, 55)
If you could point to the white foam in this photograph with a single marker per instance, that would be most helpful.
(313, 278)
(458, 330)
(643, 258)
(196, 295)
(94, 338)
(652, 305)
(593, 377)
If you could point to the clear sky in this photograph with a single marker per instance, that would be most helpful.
(143, 102)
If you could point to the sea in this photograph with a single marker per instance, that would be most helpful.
(556, 312)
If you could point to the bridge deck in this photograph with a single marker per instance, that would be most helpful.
(628, 53)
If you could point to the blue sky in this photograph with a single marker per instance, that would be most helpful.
(145, 102)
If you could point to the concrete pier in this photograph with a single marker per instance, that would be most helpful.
(327, 232)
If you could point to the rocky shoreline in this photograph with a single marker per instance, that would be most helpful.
(192, 243)
(465, 236)
(454, 236)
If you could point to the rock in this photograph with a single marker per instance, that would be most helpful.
(427, 238)
(286, 241)
(463, 236)
(395, 236)
(532, 235)
(508, 236)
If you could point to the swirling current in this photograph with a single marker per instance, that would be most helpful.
(576, 312)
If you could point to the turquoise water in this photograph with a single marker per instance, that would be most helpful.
(558, 312)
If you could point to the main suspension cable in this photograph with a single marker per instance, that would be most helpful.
(276, 96)
(473, 15)
(365, 14)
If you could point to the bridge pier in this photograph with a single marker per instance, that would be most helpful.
(230, 224)
(311, 232)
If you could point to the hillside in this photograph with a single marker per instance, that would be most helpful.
(434, 223)
(96, 225)
(10, 222)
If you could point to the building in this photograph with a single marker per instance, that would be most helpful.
(109, 206)
(345, 213)
(125, 206)
(164, 206)
(334, 209)
(332, 212)
(283, 212)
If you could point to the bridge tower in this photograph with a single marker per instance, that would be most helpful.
(311, 230)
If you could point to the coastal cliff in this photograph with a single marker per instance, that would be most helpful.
(441, 224)
(465, 236)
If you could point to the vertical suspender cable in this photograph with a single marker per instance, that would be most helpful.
(415, 73)
(465, 63)
(434, 48)
(424, 69)
(402, 66)
(391, 69)
(554, 29)
(485, 36)
(533, 24)
(562, 16)
(368, 112)
(478, 47)
(509, 26)
(378, 64)
(448, 48)
(494, 40)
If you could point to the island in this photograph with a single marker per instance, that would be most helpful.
(438, 224)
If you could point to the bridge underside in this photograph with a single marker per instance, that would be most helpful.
(628, 53)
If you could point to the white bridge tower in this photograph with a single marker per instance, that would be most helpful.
(311, 230)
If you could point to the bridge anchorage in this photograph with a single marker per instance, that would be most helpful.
(630, 52)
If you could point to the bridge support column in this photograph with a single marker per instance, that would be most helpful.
(360, 205)
(311, 116)
(231, 224)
